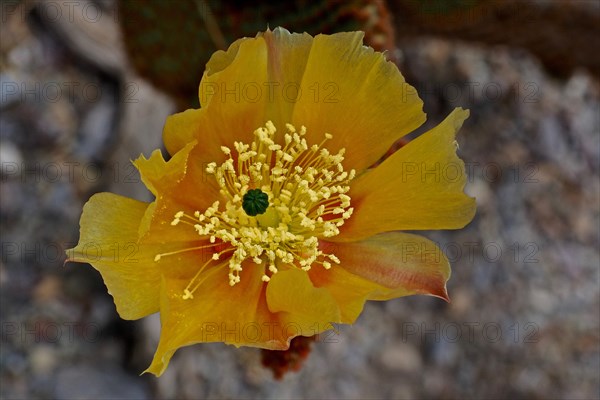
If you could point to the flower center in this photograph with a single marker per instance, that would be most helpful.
(255, 202)
(278, 201)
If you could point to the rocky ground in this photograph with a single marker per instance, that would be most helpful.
(524, 318)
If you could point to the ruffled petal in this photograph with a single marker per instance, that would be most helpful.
(331, 84)
(419, 187)
(159, 175)
(353, 93)
(109, 241)
(181, 184)
(231, 107)
(185, 127)
(218, 312)
(219, 61)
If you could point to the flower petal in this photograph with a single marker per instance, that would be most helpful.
(181, 184)
(353, 93)
(305, 309)
(159, 175)
(231, 107)
(182, 128)
(287, 58)
(109, 241)
(382, 267)
(419, 187)
(350, 291)
(218, 312)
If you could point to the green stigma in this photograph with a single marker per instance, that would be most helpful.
(255, 202)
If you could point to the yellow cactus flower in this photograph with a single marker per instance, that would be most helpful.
(270, 220)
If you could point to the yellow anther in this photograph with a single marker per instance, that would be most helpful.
(225, 150)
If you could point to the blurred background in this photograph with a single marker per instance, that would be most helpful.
(86, 86)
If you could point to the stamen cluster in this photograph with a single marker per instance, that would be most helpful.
(307, 190)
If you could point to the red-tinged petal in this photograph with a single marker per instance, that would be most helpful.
(382, 267)
(419, 187)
